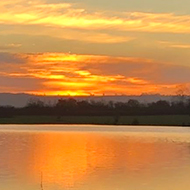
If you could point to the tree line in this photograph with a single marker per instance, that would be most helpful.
(70, 106)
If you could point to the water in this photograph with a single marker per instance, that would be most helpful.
(58, 157)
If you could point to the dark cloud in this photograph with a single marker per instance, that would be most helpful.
(19, 84)
(151, 71)
(10, 58)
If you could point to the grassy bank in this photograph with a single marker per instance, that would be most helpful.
(175, 120)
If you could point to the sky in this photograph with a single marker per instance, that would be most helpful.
(87, 47)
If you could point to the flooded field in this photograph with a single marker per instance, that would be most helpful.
(76, 157)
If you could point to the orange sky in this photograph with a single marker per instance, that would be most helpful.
(82, 48)
(71, 74)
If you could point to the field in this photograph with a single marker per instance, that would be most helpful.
(168, 120)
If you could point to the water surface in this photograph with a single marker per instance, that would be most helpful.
(60, 157)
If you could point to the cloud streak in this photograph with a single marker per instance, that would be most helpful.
(174, 45)
(58, 73)
(10, 46)
(69, 16)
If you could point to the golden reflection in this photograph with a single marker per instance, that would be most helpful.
(64, 158)
(73, 159)
(70, 158)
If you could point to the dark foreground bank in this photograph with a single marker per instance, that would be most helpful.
(164, 120)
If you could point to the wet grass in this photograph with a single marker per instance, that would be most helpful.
(168, 120)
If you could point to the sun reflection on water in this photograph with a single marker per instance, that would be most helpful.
(73, 160)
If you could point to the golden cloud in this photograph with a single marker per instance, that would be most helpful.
(59, 73)
(66, 15)
(174, 45)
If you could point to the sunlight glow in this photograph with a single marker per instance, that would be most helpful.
(72, 74)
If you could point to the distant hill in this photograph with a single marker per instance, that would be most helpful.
(20, 100)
